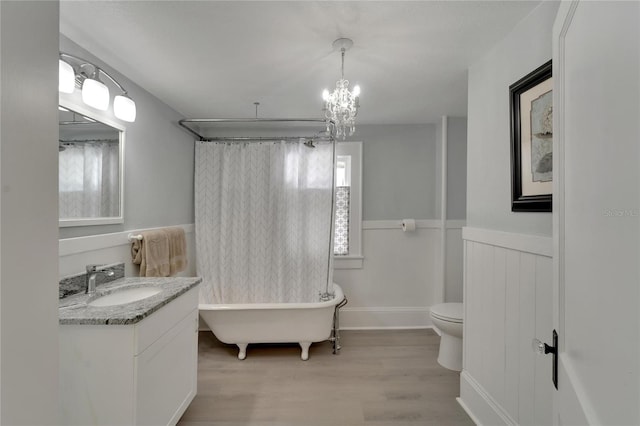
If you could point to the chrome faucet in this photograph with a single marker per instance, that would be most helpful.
(92, 273)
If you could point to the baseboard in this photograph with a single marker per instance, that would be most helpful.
(379, 318)
(473, 418)
(479, 405)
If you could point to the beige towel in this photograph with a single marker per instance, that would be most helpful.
(177, 250)
(152, 254)
(160, 253)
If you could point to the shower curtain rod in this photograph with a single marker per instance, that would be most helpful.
(86, 140)
(184, 121)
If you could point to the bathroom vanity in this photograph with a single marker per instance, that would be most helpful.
(125, 361)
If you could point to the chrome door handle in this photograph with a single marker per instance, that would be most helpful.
(543, 348)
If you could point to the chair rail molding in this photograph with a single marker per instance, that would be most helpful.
(69, 246)
(534, 244)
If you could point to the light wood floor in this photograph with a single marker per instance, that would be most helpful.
(388, 378)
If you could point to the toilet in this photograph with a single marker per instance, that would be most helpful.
(447, 317)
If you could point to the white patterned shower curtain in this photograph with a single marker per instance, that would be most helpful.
(89, 179)
(263, 215)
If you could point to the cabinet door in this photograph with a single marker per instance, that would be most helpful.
(166, 374)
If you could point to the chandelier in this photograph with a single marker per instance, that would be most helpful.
(95, 93)
(341, 105)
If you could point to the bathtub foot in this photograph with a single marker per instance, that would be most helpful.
(305, 350)
(242, 350)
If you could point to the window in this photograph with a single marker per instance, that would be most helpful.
(343, 189)
(348, 213)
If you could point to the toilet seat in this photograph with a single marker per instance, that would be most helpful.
(450, 312)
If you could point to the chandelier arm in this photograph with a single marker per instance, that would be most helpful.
(97, 69)
(113, 80)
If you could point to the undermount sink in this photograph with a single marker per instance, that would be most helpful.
(120, 297)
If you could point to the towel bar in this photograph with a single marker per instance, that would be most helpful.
(132, 237)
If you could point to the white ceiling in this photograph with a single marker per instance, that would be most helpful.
(215, 58)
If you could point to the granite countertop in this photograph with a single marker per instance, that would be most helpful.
(75, 310)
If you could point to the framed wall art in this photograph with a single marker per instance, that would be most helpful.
(532, 141)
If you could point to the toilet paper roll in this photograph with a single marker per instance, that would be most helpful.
(408, 225)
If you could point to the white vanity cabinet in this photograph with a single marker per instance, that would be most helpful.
(135, 374)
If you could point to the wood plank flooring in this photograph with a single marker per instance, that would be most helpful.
(380, 378)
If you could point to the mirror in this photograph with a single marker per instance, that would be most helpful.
(90, 170)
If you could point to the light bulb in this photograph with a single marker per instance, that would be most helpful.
(356, 90)
(325, 95)
(95, 94)
(66, 77)
(124, 108)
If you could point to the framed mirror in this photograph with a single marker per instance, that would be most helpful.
(90, 169)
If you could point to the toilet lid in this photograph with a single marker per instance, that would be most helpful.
(448, 312)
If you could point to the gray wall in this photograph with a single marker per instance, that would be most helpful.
(28, 213)
(489, 158)
(399, 171)
(399, 177)
(457, 168)
(158, 187)
(438, 181)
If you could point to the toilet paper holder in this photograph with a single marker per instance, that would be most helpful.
(408, 225)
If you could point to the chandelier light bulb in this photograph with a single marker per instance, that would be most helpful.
(124, 108)
(66, 77)
(356, 90)
(325, 95)
(95, 94)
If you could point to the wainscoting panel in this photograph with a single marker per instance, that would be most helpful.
(387, 318)
(76, 253)
(454, 267)
(508, 299)
(395, 286)
(400, 277)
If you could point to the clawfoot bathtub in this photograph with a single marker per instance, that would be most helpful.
(241, 324)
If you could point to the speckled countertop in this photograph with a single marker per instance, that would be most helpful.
(75, 309)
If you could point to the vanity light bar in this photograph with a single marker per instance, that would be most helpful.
(94, 92)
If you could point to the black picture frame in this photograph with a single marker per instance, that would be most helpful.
(522, 202)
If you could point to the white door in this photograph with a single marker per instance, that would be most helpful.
(596, 69)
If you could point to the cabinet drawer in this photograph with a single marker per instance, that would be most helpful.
(155, 325)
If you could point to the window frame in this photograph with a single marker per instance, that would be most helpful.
(355, 258)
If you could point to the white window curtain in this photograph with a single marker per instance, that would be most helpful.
(263, 221)
(89, 179)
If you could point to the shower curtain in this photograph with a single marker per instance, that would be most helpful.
(89, 179)
(263, 215)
